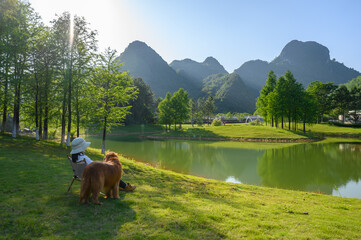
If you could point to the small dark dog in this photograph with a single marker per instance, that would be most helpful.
(101, 175)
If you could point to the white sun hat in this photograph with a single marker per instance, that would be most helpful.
(78, 145)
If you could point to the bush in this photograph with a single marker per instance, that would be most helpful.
(256, 122)
(340, 124)
(216, 122)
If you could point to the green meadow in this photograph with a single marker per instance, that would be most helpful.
(35, 204)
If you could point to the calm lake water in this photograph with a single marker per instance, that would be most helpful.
(331, 168)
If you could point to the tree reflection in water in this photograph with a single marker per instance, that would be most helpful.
(311, 167)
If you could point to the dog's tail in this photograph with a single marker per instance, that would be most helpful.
(85, 189)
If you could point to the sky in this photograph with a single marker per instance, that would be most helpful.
(232, 31)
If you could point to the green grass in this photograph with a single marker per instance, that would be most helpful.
(246, 131)
(34, 204)
(331, 130)
(235, 131)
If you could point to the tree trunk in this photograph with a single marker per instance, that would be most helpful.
(46, 107)
(63, 118)
(289, 121)
(77, 116)
(69, 109)
(304, 126)
(6, 86)
(104, 134)
(36, 109)
(16, 109)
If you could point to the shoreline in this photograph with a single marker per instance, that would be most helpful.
(275, 140)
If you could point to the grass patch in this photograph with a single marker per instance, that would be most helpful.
(234, 131)
(247, 131)
(332, 130)
(34, 204)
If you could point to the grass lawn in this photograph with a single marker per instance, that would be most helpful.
(234, 131)
(261, 132)
(34, 204)
(334, 130)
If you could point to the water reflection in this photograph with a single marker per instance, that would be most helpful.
(333, 168)
(311, 167)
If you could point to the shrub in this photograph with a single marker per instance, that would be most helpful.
(256, 122)
(216, 122)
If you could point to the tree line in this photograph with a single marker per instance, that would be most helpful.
(178, 108)
(284, 100)
(54, 76)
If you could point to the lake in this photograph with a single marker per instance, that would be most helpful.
(330, 168)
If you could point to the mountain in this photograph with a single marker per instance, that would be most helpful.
(142, 61)
(197, 71)
(308, 61)
(230, 93)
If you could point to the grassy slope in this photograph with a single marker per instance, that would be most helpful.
(234, 131)
(34, 177)
(262, 132)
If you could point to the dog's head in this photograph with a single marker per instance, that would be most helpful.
(111, 157)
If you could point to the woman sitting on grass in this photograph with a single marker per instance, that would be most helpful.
(78, 146)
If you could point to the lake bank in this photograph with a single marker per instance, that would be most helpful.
(166, 205)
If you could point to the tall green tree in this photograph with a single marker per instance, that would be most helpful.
(143, 107)
(262, 100)
(76, 44)
(322, 93)
(180, 105)
(355, 102)
(166, 115)
(192, 110)
(209, 107)
(341, 99)
(279, 100)
(109, 94)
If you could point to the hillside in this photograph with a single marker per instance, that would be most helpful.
(308, 61)
(231, 94)
(142, 61)
(198, 71)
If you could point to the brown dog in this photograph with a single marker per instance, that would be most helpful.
(101, 175)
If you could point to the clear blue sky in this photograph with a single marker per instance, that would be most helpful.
(232, 31)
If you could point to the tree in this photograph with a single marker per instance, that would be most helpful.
(209, 107)
(142, 110)
(278, 101)
(322, 93)
(76, 45)
(192, 110)
(262, 104)
(18, 22)
(293, 99)
(341, 99)
(355, 102)
(308, 108)
(166, 111)
(110, 92)
(180, 105)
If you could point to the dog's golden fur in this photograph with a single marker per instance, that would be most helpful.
(101, 175)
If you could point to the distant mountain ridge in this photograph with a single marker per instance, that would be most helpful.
(197, 71)
(142, 61)
(308, 61)
(236, 92)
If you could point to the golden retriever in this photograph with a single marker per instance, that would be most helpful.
(98, 176)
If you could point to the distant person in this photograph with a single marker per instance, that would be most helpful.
(78, 146)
